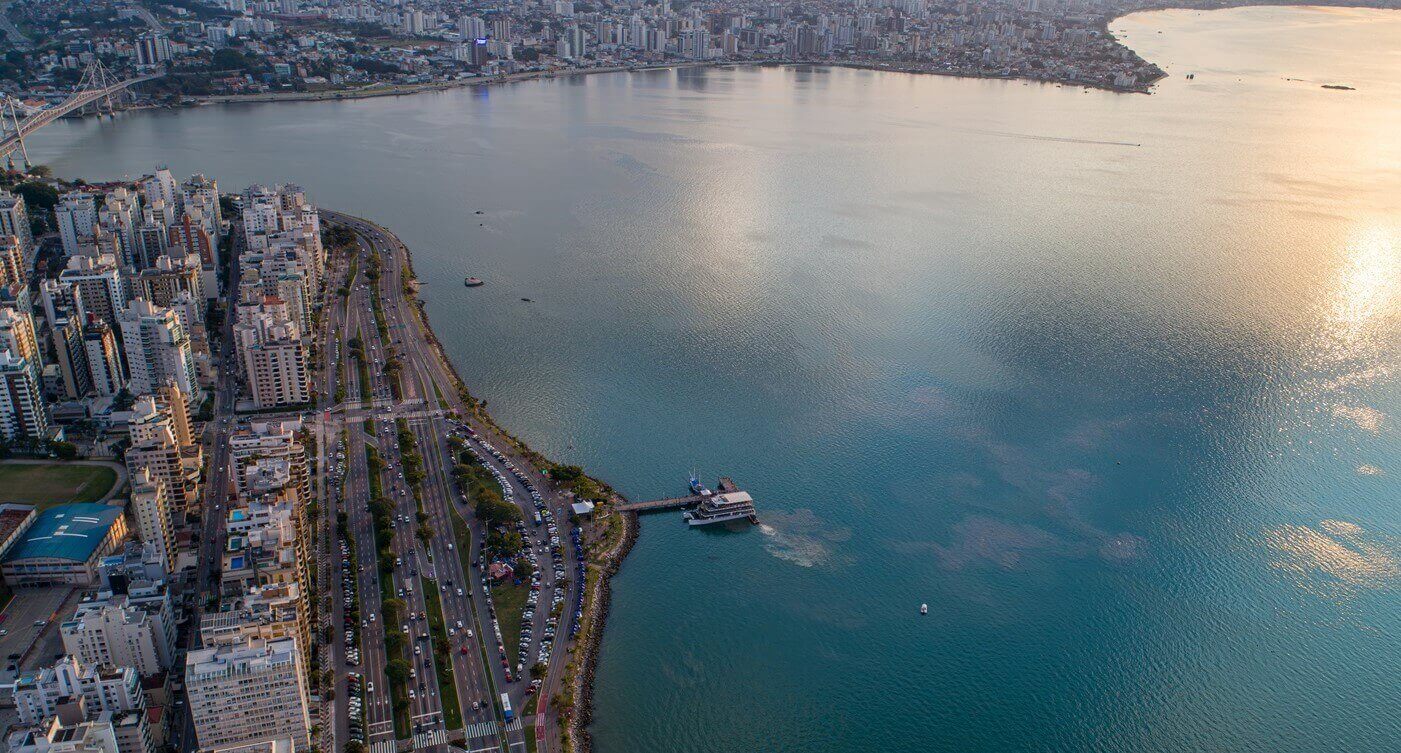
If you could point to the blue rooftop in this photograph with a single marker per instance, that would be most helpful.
(68, 532)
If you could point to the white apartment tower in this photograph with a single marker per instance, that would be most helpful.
(22, 411)
(248, 693)
(150, 505)
(14, 220)
(273, 357)
(119, 635)
(77, 216)
(157, 349)
(95, 286)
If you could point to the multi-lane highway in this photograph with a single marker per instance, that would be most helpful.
(368, 416)
(428, 397)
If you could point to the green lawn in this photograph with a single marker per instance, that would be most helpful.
(52, 484)
(447, 685)
(509, 600)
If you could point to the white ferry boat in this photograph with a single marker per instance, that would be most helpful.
(723, 508)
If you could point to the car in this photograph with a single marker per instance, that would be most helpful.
(459, 592)
(369, 687)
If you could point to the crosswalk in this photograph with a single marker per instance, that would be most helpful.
(429, 739)
(481, 729)
(383, 746)
(514, 725)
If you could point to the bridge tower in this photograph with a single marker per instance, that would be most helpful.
(13, 127)
(97, 78)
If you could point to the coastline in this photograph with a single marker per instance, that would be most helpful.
(598, 600)
(398, 90)
(910, 67)
(572, 715)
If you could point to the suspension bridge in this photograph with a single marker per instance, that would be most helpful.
(97, 91)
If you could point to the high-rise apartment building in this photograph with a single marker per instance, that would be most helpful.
(248, 693)
(14, 220)
(160, 444)
(96, 286)
(272, 356)
(157, 349)
(76, 213)
(150, 506)
(39, 695)
(103, 358)
(116, 632)
(22, 411)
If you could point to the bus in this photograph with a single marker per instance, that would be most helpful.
(506, 707)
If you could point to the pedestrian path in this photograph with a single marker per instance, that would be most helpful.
(481, 729)
(429, 739)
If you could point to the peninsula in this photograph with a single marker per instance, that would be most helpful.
(311, 482)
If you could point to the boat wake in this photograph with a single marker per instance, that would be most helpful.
(802, 539)
(799, 550)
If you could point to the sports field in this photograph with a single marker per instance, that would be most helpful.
(48, 484)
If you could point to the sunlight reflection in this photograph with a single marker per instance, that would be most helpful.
(1335, 559)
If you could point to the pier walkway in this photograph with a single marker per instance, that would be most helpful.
(726, 486)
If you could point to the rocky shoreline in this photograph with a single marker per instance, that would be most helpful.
(596, 617)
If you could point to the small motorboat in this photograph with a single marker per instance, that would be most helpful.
(924, 609)
(474, 282)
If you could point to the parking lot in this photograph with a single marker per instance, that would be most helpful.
(22, 639)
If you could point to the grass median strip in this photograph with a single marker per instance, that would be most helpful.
(396, 669)
(442, 656)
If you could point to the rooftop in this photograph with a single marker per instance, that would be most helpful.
(69, 532)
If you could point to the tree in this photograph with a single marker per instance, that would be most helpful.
(397, 671)
(123, 400)
(65, 450)
(537, 671)
(393, 611)
(228, 59)
(339, 236)
(41, 171)
(353, 746)
(38, 195)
